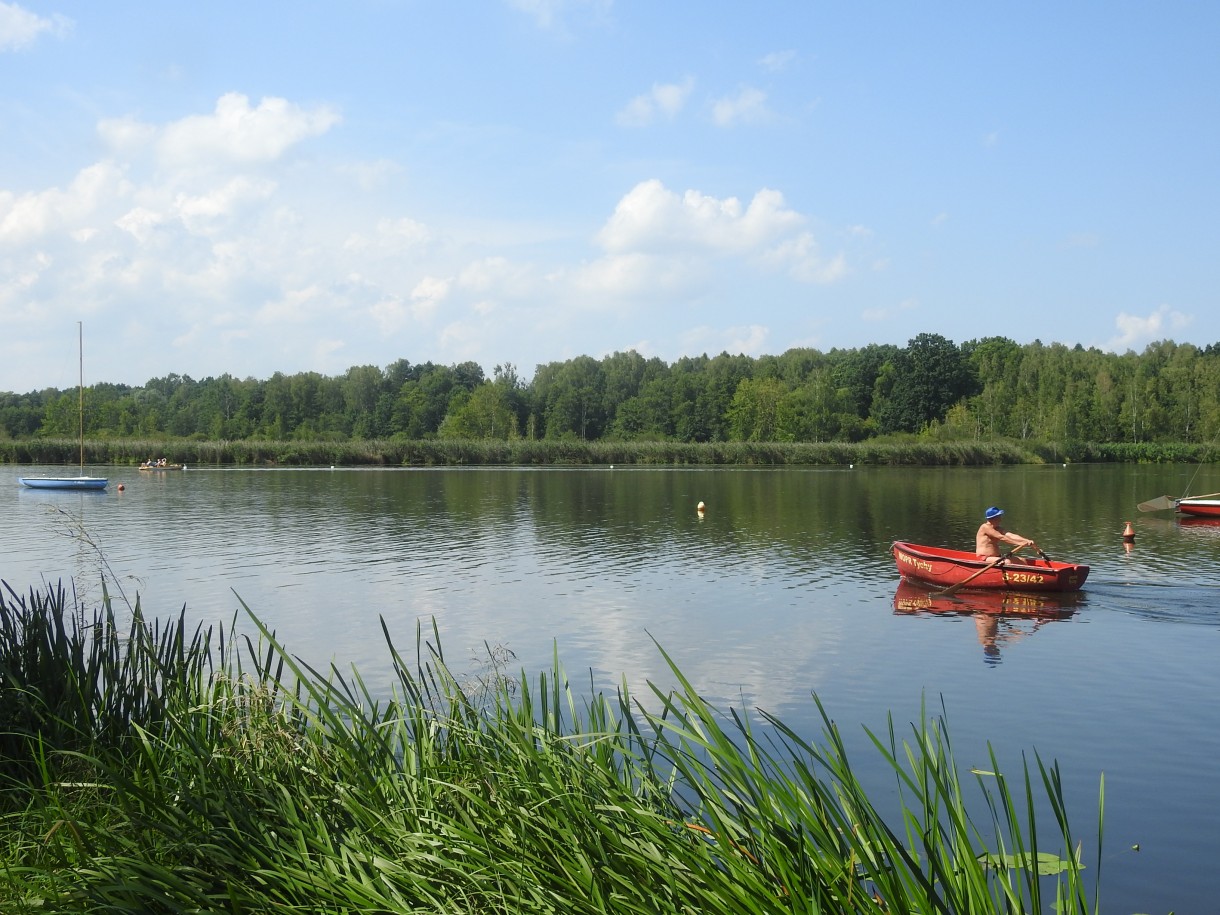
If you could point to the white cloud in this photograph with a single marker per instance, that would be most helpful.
(1135, 331)
(371, 176)
(617, 279)
(746, 107)
(777, 60)
(652, 216)
(140, 223)
(392, 236)
(29, 216)
(19, 28)
(126, 135)
(547, 13)
(878, 315)
(663, 99)
(427, 296)
(749, 339)
(295, 306)
(801, 258)
(497, 273)
(198, 209)
(389, 314)
(238, 133)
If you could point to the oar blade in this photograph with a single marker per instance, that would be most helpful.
(1159, 504)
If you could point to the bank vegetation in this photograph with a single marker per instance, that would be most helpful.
(147, 767)
(985, 400)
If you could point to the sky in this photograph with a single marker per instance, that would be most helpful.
(244, 189)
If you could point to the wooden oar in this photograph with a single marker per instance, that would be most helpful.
(953, 589)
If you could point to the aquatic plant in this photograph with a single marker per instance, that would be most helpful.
(187, 772)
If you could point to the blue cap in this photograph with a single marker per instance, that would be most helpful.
(994, 512)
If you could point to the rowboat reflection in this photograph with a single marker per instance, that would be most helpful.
(1000, 617)
(1198, 521)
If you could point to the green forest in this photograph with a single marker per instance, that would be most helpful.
(983, 390)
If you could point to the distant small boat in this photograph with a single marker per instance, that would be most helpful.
(163, 467)
(82, 481)
(947, 568)
(1199, 508)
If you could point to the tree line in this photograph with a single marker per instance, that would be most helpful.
(985, 389)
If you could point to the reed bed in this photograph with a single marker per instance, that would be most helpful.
(526, 452)
(149, 768)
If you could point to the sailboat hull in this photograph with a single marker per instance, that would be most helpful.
(82, 481)
(64, 482)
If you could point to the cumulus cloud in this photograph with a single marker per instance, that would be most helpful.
(427, 296)
(652, 216)
(28, 216)
(1134, 331)
(19, 28)
(235, 132)
(748, 106)
(652, 222)
(197, 210)
(631, 277)
(662, 100)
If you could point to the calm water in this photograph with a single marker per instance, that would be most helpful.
(782, 588)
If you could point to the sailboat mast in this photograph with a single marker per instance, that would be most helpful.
(80, 349)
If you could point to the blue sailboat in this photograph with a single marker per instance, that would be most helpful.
(81, 481)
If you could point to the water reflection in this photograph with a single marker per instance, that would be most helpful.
(1199, 523)
(1001, 618)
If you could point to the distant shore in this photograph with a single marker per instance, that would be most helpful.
(910, 451)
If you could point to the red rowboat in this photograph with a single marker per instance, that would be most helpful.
(936, 565)
(1201, 508)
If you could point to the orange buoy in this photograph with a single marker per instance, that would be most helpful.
(1128, 532)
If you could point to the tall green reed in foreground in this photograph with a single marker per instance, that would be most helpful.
(180, 774)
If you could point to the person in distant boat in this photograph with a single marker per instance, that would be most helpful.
(990, 535)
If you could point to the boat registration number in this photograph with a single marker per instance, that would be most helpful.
(1030, 578)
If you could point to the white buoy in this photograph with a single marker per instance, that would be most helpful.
(700, 507)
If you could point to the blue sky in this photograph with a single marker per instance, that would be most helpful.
(268, 186)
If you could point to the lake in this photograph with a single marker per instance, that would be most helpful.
(783, 587)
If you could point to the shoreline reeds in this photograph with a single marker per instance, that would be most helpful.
(903, 451)
(148, 767)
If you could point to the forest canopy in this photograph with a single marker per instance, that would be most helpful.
(983, 389)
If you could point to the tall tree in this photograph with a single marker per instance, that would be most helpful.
(927, 377)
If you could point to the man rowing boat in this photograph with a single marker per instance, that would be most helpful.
(990, 535)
